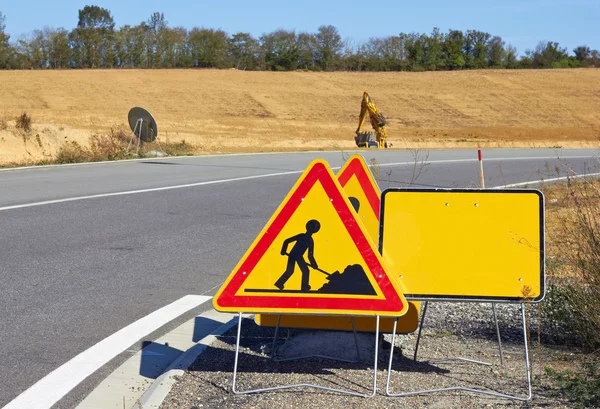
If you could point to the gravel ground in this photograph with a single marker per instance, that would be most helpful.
(451, 329)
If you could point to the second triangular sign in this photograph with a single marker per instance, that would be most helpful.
(313, 256)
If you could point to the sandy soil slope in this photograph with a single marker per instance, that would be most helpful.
(233, 111)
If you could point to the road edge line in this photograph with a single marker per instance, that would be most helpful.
(54, 386)
(161, 387)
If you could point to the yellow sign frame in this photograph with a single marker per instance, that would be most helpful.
(465, 244)
(254, 286)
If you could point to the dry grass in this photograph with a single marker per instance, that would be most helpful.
(24, 122)
(563, 203)
(233, 110)
(572, 306)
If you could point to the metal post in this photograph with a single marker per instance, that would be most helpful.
(441, 359)
(498, 334)
(141, 122)
(420, 329)
(275, 388)
(134, 135)
(462, 388)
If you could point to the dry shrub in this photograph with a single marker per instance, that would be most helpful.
(110, 146)
(3, 123)
(113, 146)
(24, 122)
(102, 147)
(72, 152)
(181, 148)
(573, 301)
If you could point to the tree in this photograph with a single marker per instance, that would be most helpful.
(452, 49)
(94, 35)
(208, 48)
(433, 50)
(244, 50)
(389, 53)
(174, 42)
(280, 50)
(59, 52)
(495, 52)
(308, 52)
(595, 58)
(583, 54)
(549, 55)
(353, 58)
(34, 48)
(330, 45)
(5, 48)
(156, 44)
(414, 45)
(510, 57)
(477, 44)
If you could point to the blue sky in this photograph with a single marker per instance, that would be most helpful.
(522, 23)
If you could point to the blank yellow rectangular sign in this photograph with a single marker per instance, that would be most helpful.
(465, 244)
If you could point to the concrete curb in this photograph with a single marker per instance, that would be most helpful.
(160, 388)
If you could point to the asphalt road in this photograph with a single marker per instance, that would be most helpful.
(77, 265)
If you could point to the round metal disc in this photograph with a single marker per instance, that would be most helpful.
(148, 130)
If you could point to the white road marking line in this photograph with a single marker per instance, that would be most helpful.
(155, 189)
(535, 182)
(484, 160)
(54, 386)
(213, 182)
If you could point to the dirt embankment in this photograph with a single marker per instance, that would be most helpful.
(233, 111)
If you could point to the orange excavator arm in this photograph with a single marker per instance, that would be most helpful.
(376, 117)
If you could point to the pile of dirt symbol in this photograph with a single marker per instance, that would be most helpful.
(353, 280)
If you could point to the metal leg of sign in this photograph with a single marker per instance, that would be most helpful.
(276, 388)
(139, 139)
(462, 388)
(498, 334)
(134, 135)
(274, 357)
(420, 329)
(461, 358)
(159, 145)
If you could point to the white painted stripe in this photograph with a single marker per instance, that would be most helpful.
(219, 155)
(213, 182)
(156, 189)
(428, 162)
(537, 182)
(54, 386)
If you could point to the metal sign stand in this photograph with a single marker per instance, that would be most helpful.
(462, 388)
(138, 128)
(274, 357)
(345, 392)
(460, 358)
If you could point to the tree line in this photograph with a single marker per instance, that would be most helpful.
(96, 43)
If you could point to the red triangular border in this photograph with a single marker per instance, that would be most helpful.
(319, 172)
(357, 167)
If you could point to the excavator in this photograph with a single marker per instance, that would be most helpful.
(377, 139)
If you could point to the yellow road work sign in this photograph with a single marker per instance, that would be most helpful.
(362, 190)
(465, 244)
(313, 256)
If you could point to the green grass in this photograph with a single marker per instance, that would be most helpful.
(582, 388)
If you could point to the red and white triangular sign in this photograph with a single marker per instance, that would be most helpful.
(357, 181)
(313, 256)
